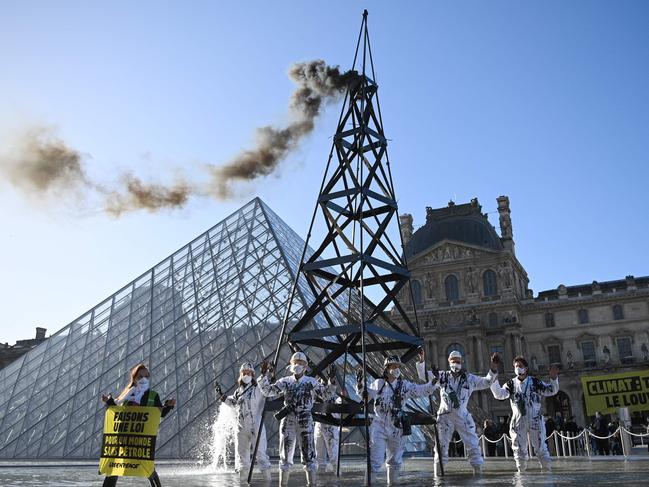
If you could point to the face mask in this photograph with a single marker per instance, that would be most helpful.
(297, 369)
(520, 370)
(143, 382)
(456, 367)
(246, 379)
(395, 373)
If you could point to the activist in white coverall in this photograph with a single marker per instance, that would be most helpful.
(327, 438)
(390, 394)
(299, 392)
(456, 387)
(525, 393)
(248, 402)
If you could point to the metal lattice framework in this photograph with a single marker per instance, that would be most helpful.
(357, 259)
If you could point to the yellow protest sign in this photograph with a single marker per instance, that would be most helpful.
(607, 393)
(128, 446)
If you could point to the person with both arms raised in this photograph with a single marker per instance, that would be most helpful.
(296, 425)
(525, 393)
(456, 386)
(390, 425)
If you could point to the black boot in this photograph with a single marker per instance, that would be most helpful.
(110, 481)
(154, 480)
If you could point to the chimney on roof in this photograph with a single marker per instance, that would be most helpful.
(405, 224)
(630, 283)
(506, 232)
(40, 333)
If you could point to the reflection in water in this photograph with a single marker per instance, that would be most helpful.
(417, 474)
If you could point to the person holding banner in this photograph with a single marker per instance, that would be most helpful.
(296, 421)
(456, 386)
(390, 424)
(138, 393)
(248, 403)
(525, 393)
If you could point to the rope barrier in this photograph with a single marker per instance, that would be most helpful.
(584, 432)
(568, 437)
(633, 434)
(493, 441)
(606, 437)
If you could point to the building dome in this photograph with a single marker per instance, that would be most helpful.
(461, 223)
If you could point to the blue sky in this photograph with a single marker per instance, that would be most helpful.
(546, 102)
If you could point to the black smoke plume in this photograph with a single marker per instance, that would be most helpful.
(42, 164)
(317, 83)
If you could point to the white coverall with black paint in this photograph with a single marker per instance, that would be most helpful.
(248, 402)
(453, 414)
(327, 438)
(297, 425)
(386, 432)
(525, 398)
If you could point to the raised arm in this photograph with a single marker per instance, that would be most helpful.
(272, 390)
(498, 391)
(360, 386)
(230, 401)
(553, 387)
(412, 390)
(481, 383)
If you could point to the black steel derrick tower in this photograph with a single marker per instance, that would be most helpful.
(350, 282)
(357, 258)
(358, 267)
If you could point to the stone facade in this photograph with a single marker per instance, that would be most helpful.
(470, 292)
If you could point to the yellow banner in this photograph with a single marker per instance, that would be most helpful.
(607, 393)
(128, 447)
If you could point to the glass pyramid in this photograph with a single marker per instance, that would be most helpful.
(193, 318)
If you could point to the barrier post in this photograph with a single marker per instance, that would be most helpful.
(556, 444)
(623, 441)
(504, 438)
(484, 446)
(570, 445)
(587, 442)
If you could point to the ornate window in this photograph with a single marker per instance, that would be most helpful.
(618, 312)
(588, 353)
(549, 320)
(416, 293)
(554, 354)
(624, 349)
(490, 283)
(583, 316)
(451, 288)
